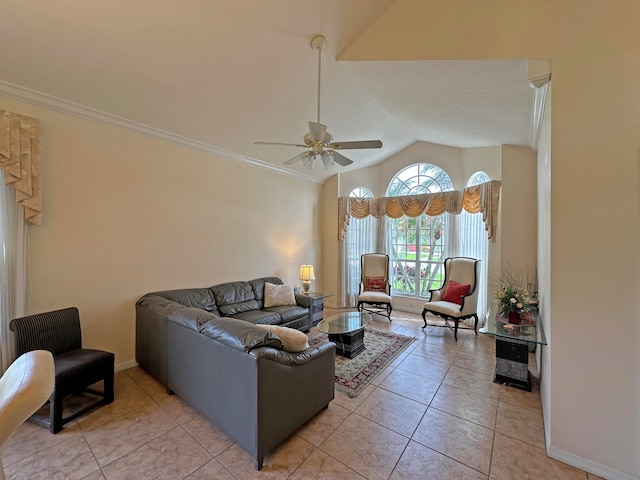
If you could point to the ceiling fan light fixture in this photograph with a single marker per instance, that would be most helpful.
(309, 160)
(327, 159)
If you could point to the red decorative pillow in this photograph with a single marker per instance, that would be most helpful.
(374, 284)
(455, 291)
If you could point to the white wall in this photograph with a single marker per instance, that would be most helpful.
(125, 214)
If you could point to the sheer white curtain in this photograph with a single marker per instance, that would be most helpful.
(13, 268)
(474, 243)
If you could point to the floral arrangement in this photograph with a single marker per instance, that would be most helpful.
(512, 299)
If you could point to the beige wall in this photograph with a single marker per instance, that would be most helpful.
(518, 209)
(125, 214)
(593, 399)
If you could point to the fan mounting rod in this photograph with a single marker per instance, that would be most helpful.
(317, 43)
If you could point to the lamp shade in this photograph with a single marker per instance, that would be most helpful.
(306, 273)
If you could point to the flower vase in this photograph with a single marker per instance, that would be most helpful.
(514, 317)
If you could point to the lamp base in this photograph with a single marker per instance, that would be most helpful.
(306, 285)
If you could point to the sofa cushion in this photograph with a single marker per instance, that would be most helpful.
(235, 297)
(292, 340)
(191, 317)
(240, 335)
(191, 297)
(288, 313)
(278, 295)
(259, 316)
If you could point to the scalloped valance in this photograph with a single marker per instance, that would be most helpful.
(483, 198)
(20, 160)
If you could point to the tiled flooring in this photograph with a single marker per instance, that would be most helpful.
(433, 414)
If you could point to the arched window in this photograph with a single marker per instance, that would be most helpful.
(418, 245)
(360, 238)
(478, 178)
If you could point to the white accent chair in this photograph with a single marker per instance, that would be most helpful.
(452, 305)
(374, 295)
(24, 388)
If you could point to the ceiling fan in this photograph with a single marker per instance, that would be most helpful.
(317, 140)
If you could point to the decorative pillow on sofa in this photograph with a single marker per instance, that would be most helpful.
(292, 340)
(278, 295)
(374, 284)
(454, 291)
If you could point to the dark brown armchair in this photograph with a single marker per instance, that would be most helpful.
(76, 368)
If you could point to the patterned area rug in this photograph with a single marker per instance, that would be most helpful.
(381, 348)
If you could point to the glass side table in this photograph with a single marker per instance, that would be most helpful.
(317, 305)
(512, 347)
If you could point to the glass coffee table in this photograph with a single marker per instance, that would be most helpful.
(346, 330)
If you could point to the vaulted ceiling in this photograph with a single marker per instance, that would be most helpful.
(220, 75)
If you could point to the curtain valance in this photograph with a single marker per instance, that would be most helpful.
(20, 160)
(482, 198)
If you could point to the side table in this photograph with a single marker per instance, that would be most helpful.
(317, 305)
(512, 348)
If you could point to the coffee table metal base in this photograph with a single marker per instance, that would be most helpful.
(348, 345)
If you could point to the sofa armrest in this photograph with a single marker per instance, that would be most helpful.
(297, 358)
(303, 300)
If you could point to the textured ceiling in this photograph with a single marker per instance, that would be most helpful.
(226, 73)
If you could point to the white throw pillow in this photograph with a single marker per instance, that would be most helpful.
(278, 295)
(292, 340)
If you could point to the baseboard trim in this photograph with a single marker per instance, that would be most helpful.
(123, 366)
(589, 465)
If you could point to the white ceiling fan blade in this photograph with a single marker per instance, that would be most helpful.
(341, 159)
(317, 131)
(279, 143)
(293, 160)
(355, 145)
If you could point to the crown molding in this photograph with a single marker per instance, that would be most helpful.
(50, 102)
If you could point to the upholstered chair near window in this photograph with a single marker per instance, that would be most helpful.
(375, 291)
(24, 388)
(77, 368)
(457, 299)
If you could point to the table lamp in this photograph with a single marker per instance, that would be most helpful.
(306, 275)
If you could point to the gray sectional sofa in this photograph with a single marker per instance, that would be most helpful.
(202, 344)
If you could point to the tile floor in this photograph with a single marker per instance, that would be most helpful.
(433, 414)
